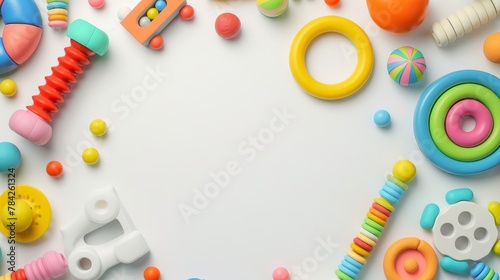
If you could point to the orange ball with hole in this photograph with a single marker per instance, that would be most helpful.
(491, 47)
(54, 168)
(398, 16)
(151, 273)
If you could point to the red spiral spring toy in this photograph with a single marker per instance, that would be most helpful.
(86, 41)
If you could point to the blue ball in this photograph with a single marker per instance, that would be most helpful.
(382, 118)
(10, 157)
(160, 5)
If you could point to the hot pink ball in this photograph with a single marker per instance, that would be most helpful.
(96, 4)
(280, 273)
(227, 25)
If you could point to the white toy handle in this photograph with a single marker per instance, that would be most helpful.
(470, 17)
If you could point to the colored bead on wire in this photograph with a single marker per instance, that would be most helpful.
(58, 13)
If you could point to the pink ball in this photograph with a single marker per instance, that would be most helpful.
(227, 25)
(280, 273)
(96, 4)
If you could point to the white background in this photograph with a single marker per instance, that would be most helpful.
(315, 179)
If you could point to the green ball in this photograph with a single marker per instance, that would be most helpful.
(272, 8)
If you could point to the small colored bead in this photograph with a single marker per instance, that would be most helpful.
(410, 265)
(10, 157)
(57, 5)
(382, 209)
(388, 196)
(54, 168)
(186, 12)
(396, 181)
(365, 239)
(98, 127)
(156, 42)
(96, 4)
(342, 276)
(160, 5)
(491, 47)
(404, 170)
(144, 21)
(391, 191)
(272, 8)
(356, 257)
(362, 244)
(227, 25)
(353, 262)
(152, 13)
(90, 156)
(348, 272)
(280, 273)
(368, 234)
(371, 230)
(350, 267)
(376, 219)
(382, 118)
(384, 203)
(378, 214)
(151, 273)
(373, 224)
(8, 87)
(394, 187)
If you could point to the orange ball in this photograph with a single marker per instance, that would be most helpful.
(151, 273)
(491, 47)
(186, 12)
(54, 168)
(332, 3)
(156, 42)
(398, 16)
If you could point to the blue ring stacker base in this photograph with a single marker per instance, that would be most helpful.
(421, 122)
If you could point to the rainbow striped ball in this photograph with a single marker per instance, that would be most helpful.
(406, 65)
(272, 8)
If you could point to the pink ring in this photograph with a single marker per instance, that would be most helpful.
(480, 114)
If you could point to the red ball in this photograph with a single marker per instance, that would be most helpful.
(227, 25)
(54, 168)
(156, 42)
(332, 3)
(186, 12)
(151, 273)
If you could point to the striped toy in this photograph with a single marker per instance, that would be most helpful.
(480, 271)
(58, 13)
(376, 219)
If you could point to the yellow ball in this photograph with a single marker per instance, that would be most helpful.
(20, 214)
(90, 156)
(98, 127)
(404, 170)
(8, 87)
(152, 13)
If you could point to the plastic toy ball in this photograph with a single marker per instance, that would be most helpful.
(272, 8)
(186, 12)
(96, 4)
(10, 157)
(491, 47)
(123, 12)
(152, 13)
(54, 168)
(227, 25)
(332, 3)
(401, 17)
(151, 273)
(382, 118)
(404, 170)
(160, 5)
(98, 127)
(23, 215)
(406, 65)
(90, 156)
(156, 42)
(8, 87)
(280, 273)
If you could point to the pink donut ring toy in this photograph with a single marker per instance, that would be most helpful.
(21, 33)
(480, 114)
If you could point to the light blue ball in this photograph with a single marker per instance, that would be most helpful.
(382, 118)
(160, 5)
(10, 157)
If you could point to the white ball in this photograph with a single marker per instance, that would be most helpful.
(144, 21)
(123, 12)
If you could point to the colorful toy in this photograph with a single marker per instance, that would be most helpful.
(156, 43)
(382, 118)
(58, 13)
(151, 273)
(144, 34)
(376, 219)
(463, 232)
(10, 157)
(101, 208)
(227, 25)
(272, 8)
(480, 271)
(491, 47)
(21, 33)
(8, 87)
(410, 259)
(463, 21)
(98, 127)
(438, 113)
(398, 17)
(86, 41)
(186, 13)
(280, 273)
(51, 265)
(97, 4)
(54, 168)
(26, 216)
(90, 156)
(406, 65)
(312, 30)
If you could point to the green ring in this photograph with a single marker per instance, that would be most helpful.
(342, 275)
(438, 116)
(374, 224)
(371, 230)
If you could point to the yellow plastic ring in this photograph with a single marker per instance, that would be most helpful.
(338, 25)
